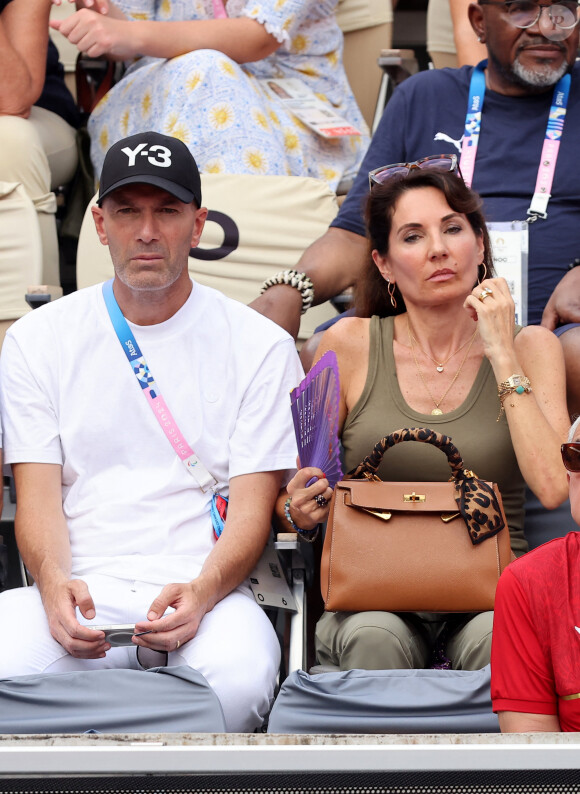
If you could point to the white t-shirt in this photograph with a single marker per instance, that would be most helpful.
(69, 396)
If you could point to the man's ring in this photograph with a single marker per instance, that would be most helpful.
(177, 646)
(485, 293)
(320, 500)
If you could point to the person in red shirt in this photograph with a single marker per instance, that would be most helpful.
(535, 657)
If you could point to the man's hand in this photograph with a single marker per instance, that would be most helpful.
(564, 304)
(96, 34)
(179, 626)
(60, 602)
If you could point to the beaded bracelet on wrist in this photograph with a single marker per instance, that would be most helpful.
(292, 278)
(309, 535)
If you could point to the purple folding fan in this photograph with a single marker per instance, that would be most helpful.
(314, 403)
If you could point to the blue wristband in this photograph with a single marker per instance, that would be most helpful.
(308, 534)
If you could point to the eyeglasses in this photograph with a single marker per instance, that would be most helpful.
(571, 456)
(436, 162)
(524, 14)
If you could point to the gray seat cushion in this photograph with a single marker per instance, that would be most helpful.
(162, 699)
(385, 701)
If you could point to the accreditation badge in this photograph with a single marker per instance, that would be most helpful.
(509, 244)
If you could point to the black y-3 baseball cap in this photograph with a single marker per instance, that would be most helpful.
(153, 159)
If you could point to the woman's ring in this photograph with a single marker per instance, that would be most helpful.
(177, 646)
(485, 293)
(320, 500)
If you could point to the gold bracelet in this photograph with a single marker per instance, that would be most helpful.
(517, 384)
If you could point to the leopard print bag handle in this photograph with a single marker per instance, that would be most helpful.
(476, 499)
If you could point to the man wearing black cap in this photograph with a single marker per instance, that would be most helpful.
(130, 409)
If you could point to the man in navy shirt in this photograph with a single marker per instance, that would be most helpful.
(426, 116)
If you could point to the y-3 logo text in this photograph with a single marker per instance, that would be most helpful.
(162, 158)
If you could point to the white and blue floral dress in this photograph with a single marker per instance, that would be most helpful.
(230, 121)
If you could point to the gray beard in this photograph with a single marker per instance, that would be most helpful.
(541, 77)
(533, 80)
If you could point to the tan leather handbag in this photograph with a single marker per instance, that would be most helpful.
(414, 546)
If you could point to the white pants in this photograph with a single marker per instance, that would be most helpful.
(235, 648)
(39, 153)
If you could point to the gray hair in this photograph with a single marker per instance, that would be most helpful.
(573, 429)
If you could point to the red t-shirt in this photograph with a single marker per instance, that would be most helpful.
(535, 656)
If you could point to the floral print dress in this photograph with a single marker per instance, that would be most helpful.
(231, 122)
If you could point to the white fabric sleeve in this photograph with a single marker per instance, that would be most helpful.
(281, 20)
(29, 420)
(263, 439)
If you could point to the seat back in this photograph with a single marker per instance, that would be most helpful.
(257, 225)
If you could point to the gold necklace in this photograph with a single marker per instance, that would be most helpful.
(437, 411)
(440, 364)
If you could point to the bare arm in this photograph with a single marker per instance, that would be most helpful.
(23, 44)
(333, 262)
(469, 50)
(241, 39)
(43, 541)
(251, 503)
(519, 722)
(564, 303)
(537, 354)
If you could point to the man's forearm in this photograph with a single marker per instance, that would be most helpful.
(40, 526)
(242, 542)
(23, 43)
(334, 262)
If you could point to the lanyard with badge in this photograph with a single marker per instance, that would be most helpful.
(510, 239)
(185, 453)
(266, 581)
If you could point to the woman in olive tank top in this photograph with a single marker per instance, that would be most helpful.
(435, 344)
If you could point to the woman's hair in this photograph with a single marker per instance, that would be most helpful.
(371, 296)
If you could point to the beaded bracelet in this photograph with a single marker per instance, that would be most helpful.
(517, 384)
(292, 278)
(309, 535)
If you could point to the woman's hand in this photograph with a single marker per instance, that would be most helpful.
(306, 512)
(491, 305)
(96, 34)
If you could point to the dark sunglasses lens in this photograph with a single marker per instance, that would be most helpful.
(571, 457)
(391, 172)
(438, 164)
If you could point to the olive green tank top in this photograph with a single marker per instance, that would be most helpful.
(484, 443)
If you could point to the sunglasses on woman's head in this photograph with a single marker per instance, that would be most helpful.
(436, 162)
(571, 456)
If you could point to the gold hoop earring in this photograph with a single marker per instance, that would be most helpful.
(484, 266)
(391, 291)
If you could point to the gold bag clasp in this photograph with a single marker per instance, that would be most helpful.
(413, 497)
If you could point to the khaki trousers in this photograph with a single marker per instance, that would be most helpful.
(389, 641)
(38, 153)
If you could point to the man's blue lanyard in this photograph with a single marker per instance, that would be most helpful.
(145, 379)
(550, 150)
